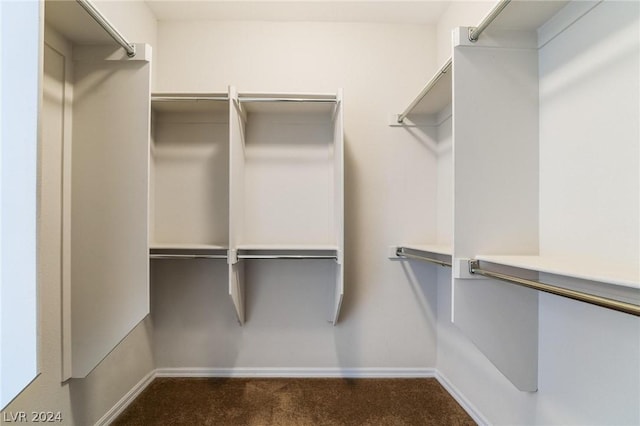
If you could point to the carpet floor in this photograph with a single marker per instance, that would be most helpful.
(295, 402)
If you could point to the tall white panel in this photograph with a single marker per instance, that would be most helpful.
(236, 202)
(338, 201)
(495, 129)
(109, 192)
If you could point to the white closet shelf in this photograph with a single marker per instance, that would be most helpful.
(189, 102)
(289, 252)
(187, 251)
(185, 246)
(284, 97)
(579, 268)
(285, 247)
(288, 103)
(444, 249)
(70, 20)
(527, 15)
(431, 102)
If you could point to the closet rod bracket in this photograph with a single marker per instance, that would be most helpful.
(474, 32)
(473, 265)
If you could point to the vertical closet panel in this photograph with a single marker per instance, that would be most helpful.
(338, 202)
(495, 109)
(109, 194)
(236, 202)
(56, 121)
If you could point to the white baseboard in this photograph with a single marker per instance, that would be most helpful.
(471, 409)
(362, 373)
(127, 399)
(352, 373)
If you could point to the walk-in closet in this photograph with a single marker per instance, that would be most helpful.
(326, 212)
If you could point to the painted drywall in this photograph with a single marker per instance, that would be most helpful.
(444, 200)
(79, 402)
(388, 313)
(588, 369)
(589, 117)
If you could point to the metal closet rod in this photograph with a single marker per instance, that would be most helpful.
(400, 252)
(188, 98)
(430, 85)
(108, 27)
(616, 305)
(286, 256)
(187, 256)
(474, 32)
(316, 100)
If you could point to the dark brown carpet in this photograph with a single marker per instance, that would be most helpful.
(375, 402)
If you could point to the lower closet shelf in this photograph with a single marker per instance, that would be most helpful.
(610, 286)
(186, 251)
(579, 268)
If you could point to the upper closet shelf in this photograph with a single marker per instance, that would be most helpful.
(432, 99)
(591, 270)
(189, 102)
(522, 16)
(186, 251)
(82, 23)
(288, 103)
(185, 246)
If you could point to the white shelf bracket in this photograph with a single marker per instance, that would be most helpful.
(232, 256)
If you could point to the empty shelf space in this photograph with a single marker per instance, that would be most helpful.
(189, 169)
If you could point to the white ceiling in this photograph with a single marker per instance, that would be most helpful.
(416, 12)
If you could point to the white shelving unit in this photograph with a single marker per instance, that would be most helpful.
(249, 177)
(515, 195)
(286, 184)
(431, 110)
